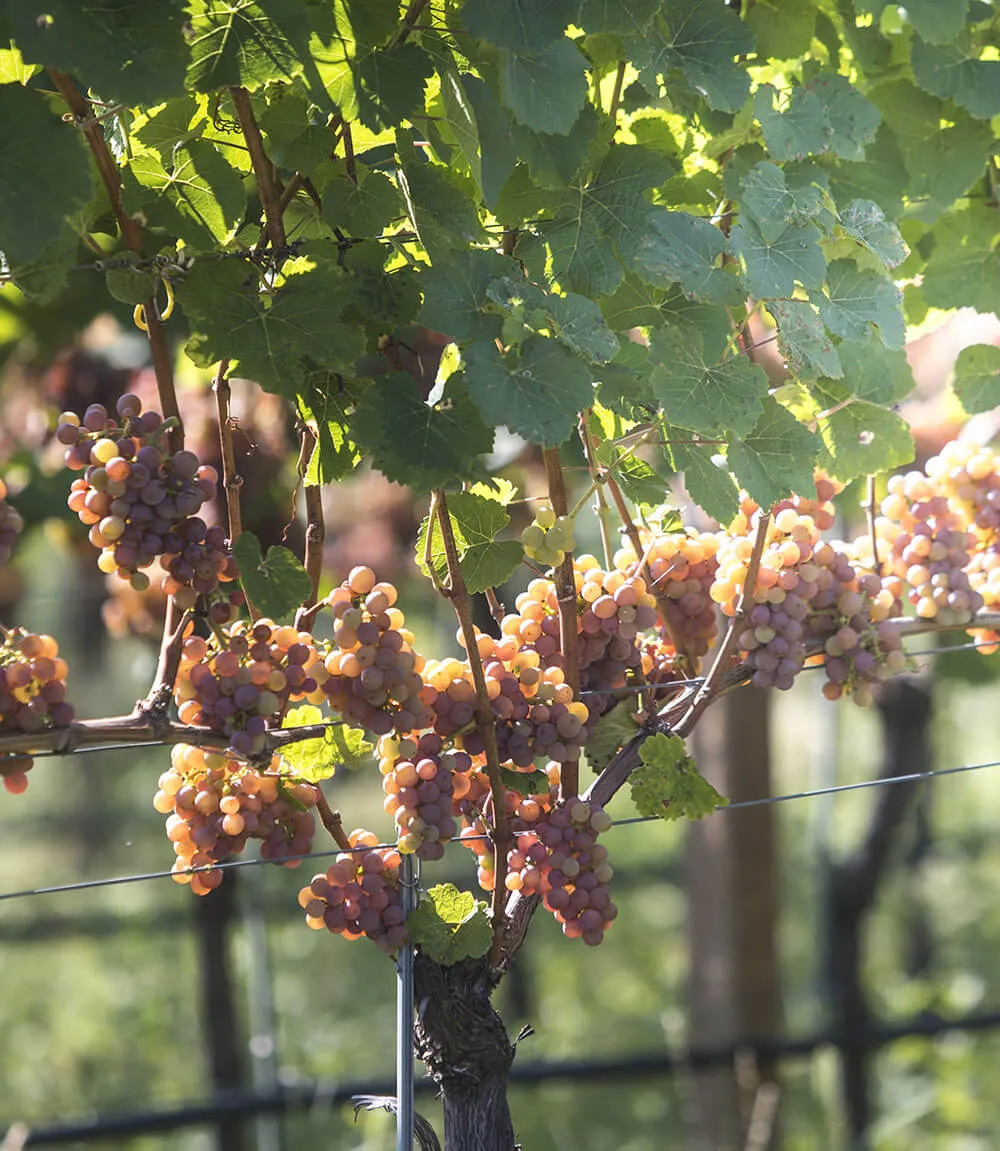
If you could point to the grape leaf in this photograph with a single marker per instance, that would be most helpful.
(857, 300)
(455, 294)
(948, 71)
(361, 208)
(13, 69)
(131, 285)
(201, 198)
(324, 404)
(875, 373)
(130, 53)
(794, 132)
(700, 39)
(574, 320)
(544, 90)
(439, 201)
(773, 268)
(390, 84)
(859, 438)
(766, 196)
(668, 785)
(977, 377)
(554, 160)
(851, 119)
(42, 279)
(496, 152)
(419, 444)
(615, 199)
(582, 259)
(276, 583)
(476, 521)
(169, 126)
(634, 304)
(711, 487)
(783, 29)
(521, 25)
(316, 759)
(776, 458)
(536, 394)
(450, 925)
(44, 174)
(803, 340)
(964, 268)
(246, 43)
(937, 23)
(865, 222)
(610, 733)
(295, 141)
(525, 782)
(679, 247)
(712, 398)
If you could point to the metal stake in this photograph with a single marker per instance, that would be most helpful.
(404, 1016)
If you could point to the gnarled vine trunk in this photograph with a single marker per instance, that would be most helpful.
(464, 1046)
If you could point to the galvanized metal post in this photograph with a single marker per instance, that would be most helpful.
(404, 1016)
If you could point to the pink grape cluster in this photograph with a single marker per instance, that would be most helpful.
(561, 860)
(373, 673)
(359, 895)
(140, 500)
(214, 804)
(32, 696)
(11, 526)
(417, 778)
(928, 546)
(523, 812)
(243, 688)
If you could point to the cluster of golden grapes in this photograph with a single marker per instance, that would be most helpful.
(32, 696)
(214, 803)
(548, 537)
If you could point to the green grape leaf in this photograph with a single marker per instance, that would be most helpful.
(977, 377)
(640, 482)
(201, 199)
(416, 443)
(710, 486)
(536, 394)
(679, 247)
(937, 23)
(295, 142)
(964, 267)
(461, 117)
(712, 398)
(865, 222)
(13, 69)
(496, 153)
(131, 285)
(229, 318)
(544, 90)
(44, 174)
(859, 438)
(615, 199)
(439, 202)
(634, 304)
(476, 520)
(130, 53)
(276, 584)
(876, 373)
(668, 785)
(783, 28)
(609, 734)
(582, 259)
(857, 300)
(773, 268)
(776, 458)
(791, 133)
(703, 41)
(324, 404)
(450, 925)
(42, 279)
(317, 759)
(580, 325)
(520, 25)
(455, 294)
(947, 71)
(555, 160)
(773, 205)
(524, 782)
(363, 208)
(169, 126)
(851, 119)
(245, 44)
(390, 85)
(803, 340)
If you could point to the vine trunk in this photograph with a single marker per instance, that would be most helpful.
(464, 1046)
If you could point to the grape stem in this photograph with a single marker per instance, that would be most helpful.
(707, 691)
(565, 581)
(93, 133)
(428, 554)
(268, 186)
(315, 532)
(154, 707)
(869, 506)
(332, 821)
(601, 508)
(459, 596)
(231, 482)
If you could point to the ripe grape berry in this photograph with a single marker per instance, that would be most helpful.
(419, 788)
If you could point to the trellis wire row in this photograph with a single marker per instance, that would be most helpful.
(765, 801)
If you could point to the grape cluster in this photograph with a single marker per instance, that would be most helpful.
(417, 778)
(244, 687)
(548, 537)
(523, 812)
(32, 696)
(11, 526)
(359, 895)
(373, 673)
(929, 547)
(561, 860)
(140, 500)
(214, 804)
